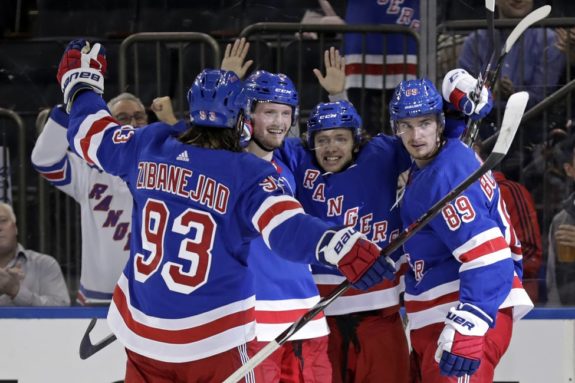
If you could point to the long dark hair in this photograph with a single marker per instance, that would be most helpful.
(212, 138)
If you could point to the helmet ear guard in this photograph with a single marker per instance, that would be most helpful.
(246, 130)
(333, 115)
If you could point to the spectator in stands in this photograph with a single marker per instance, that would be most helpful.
(561, 252)
(521, 209)
(27, 278)
(105, 201)
(534, 64)
(370, 83)
(400, 57)
(127, 108)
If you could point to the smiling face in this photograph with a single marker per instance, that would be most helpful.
(334, 149)
(270, 122)
(420, 136)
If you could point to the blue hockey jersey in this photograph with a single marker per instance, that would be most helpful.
(360, 196)
(186, 292)
(469, 253)
(285, 290)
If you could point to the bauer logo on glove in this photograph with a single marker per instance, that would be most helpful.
(82, 67)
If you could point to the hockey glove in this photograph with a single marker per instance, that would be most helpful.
(460, 345)
(459, 87)
(356, 258)
(82, 67)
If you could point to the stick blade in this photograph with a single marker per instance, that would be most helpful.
(535, 16)
(511, 119)
(490, 5)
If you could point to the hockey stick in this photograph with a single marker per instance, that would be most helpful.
(513, 112)
(87, 349)
(490, 10)
(492, 70)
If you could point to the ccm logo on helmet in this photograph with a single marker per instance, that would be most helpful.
(459, 320)
(83, 75)
(332, 115)
(280, 90)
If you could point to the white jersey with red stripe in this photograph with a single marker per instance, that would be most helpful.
(469, 253)
(361, 196)
(285, 290)
(187, 292)
(400, 61)
(105, 208)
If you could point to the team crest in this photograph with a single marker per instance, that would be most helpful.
(123, 134)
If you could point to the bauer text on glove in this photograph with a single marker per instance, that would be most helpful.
(356, 258)
(82, 66)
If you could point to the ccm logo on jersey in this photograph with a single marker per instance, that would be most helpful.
(459, 320)
(82, 75)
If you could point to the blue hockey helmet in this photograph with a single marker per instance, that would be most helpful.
(212, 99)
(263, 86)
(414, 98)
(333, 115)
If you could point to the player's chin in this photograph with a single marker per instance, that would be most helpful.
(332, 166)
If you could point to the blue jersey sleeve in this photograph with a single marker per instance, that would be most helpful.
(97, 137)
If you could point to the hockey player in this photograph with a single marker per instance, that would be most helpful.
(183, 306)
(105, 201)
(284, 289)
(346, 179)
(464, 290)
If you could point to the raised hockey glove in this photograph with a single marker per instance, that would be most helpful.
(356, 258)
(82, 66)
(459, 87)
(460, 344)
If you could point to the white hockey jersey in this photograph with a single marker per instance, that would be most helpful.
(106, 209)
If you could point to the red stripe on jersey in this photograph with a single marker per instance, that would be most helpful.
(517, 284)
(380, 69)
(415, 306)
(275, 210)
(183, 336)
(96, 128)
(283, 316)
(325, 290)
(54, 176)
(485, 248)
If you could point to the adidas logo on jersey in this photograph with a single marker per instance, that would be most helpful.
(183, 156)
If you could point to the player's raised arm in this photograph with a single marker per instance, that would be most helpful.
(235, 56)
(334, 79)
(93, 133)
